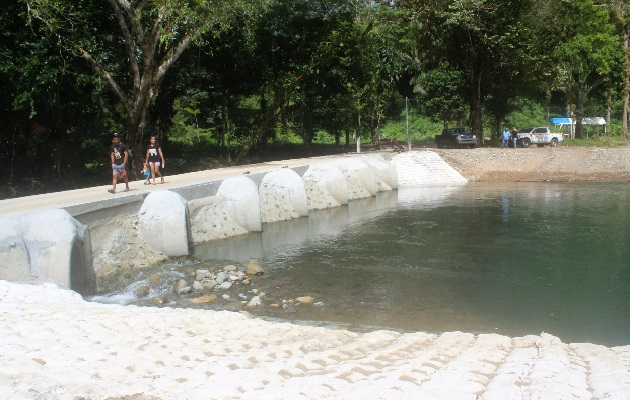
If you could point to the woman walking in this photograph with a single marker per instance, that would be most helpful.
(154, 156)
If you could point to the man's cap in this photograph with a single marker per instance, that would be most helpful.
(117, 134)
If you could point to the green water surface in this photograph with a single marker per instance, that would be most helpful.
(512, 259)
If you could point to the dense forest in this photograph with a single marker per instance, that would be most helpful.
(229, 81)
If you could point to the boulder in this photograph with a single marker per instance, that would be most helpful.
(163, 223)
(204, 299)
(142, 291)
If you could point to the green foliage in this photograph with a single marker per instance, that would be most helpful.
(441, 92)
(529, 114)
(421, 128)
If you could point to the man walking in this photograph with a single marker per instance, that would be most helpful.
(119, 157)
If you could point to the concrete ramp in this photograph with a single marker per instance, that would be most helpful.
(56, 345)
(425, 169)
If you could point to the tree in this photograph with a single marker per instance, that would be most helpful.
(476, 37)
(149, 39)
(585, 53)
(441, 90)
(303, 48)
(620, 15)
(47, 106)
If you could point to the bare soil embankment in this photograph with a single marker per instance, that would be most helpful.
(560, 164)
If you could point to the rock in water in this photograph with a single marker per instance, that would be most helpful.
(205, 299)
(142, 291)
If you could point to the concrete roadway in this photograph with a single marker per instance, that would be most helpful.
(50, 201)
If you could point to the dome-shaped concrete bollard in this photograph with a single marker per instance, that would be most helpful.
(163, 223)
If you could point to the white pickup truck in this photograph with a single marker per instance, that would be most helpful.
(539, 136)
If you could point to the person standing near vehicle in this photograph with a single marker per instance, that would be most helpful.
(506, 138)
(118, 156)
(514, 136)
(154, 156)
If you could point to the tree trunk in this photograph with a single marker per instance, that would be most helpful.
(626, 109)
(476, 121)
(135, 129)
(270, 119)
(578, 115)
(59, 130)
(227, 127)
(626, 102)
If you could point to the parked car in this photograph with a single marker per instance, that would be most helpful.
(539, 136)
(456, 137)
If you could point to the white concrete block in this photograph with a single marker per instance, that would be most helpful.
(282, 196)
(54, 243)
(14, 260)
(326, 187)
(243, 202)
(384, 172)
(210, 219)
(163, 222)
(361, 178)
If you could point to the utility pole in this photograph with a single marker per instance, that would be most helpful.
(407, 122)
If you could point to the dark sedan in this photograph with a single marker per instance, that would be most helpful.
(456, 137)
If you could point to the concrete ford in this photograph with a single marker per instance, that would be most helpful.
(539, 136)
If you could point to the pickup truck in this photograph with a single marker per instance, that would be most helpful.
(456, 137)
(539, 136)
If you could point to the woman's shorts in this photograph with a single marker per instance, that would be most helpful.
(157, 163)
(118, 170)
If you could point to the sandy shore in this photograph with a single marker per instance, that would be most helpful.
(54, 345)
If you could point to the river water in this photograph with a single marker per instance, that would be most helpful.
(513, 259)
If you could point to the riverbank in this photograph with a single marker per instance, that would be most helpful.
(560, 164)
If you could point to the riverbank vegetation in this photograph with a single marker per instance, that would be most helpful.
(233, 82)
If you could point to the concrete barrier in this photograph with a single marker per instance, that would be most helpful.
(47, 245)
(163, 221)
(243, 202)
(361, 178)
(425, 169)
(326, 187)
(282, 196)
(141, 229)
(234, 210)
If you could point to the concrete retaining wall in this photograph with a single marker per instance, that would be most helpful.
(77, 245)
